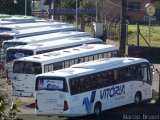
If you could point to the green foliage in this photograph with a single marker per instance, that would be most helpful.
(71, 4)
(12, 112)
(2, 106)
(11, 8)
(144, 29)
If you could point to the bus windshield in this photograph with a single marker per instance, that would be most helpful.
(11, 44)
(5, 37)
(3, 29)
(51, 83)
(27, 67)
(13, 54)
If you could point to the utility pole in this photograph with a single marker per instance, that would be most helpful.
(25, 7)
(122, 46)
(96, 11)
(53, 7)
(76, 15)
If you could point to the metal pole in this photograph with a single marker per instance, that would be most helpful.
(149, 29)
(33, 5)
(25, 7)
(76, 15)
(96, 12)
(138, 32)
(122, 46)
(53, 7)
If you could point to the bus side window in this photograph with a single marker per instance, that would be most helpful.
(81, 85)
(46, 68)
(90, 58)
(99, 80)
(100, 56)
(58, 65)
(104, 79)
(50, 67)
(128, 74)
(122, 77)
(86, 59)
(88, 83)
(110, 77)
(93, 78)
(116, 73)
(96, 57)
(74, 86)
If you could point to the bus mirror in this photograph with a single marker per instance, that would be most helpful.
(152, 68)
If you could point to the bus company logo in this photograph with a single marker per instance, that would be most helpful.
(112, 91)
(19, 55)
(89, 104)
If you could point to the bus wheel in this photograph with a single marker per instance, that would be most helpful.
(137, 98)
(97, 109)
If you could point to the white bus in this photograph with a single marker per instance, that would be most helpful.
(37, 39)
(92, 87)
(39, 48)
(21, 26)
(35, 31)
(25, 69)
(43, 47)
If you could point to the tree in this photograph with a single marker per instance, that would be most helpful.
(71, 4)
(13, 7)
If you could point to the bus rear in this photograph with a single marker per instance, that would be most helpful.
(23, 75)
(51, 96)
(13, 54)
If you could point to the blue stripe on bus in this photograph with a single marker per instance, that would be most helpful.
(89, 105)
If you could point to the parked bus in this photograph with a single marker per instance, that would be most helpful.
(39, 48)
(35, 31)
(25, 69)
(38, 38)
(21, 26)
(92, 87)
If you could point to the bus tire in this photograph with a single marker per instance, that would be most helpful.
(97, 109)
(138, 98)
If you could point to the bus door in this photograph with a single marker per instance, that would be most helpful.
(147, 80)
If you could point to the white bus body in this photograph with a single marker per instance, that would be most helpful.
(92, 87)
(21, 26)
(33, 49)
(37, 39)
(35, 31)
(24, 79)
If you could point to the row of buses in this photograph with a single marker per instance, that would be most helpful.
(65, 69)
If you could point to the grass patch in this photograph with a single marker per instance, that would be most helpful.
(144, 29)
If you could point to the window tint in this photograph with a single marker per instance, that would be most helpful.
(18, 67)
(13, 54)
(58, 65)
(51, 84)
(27, 67)
(110, 77)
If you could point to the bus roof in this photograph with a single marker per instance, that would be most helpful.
(94, 66)
(6, 22)
(30, 25)
(73, 52)
(21, 19)
(38, 31)
(49, 37)
(69, 41)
